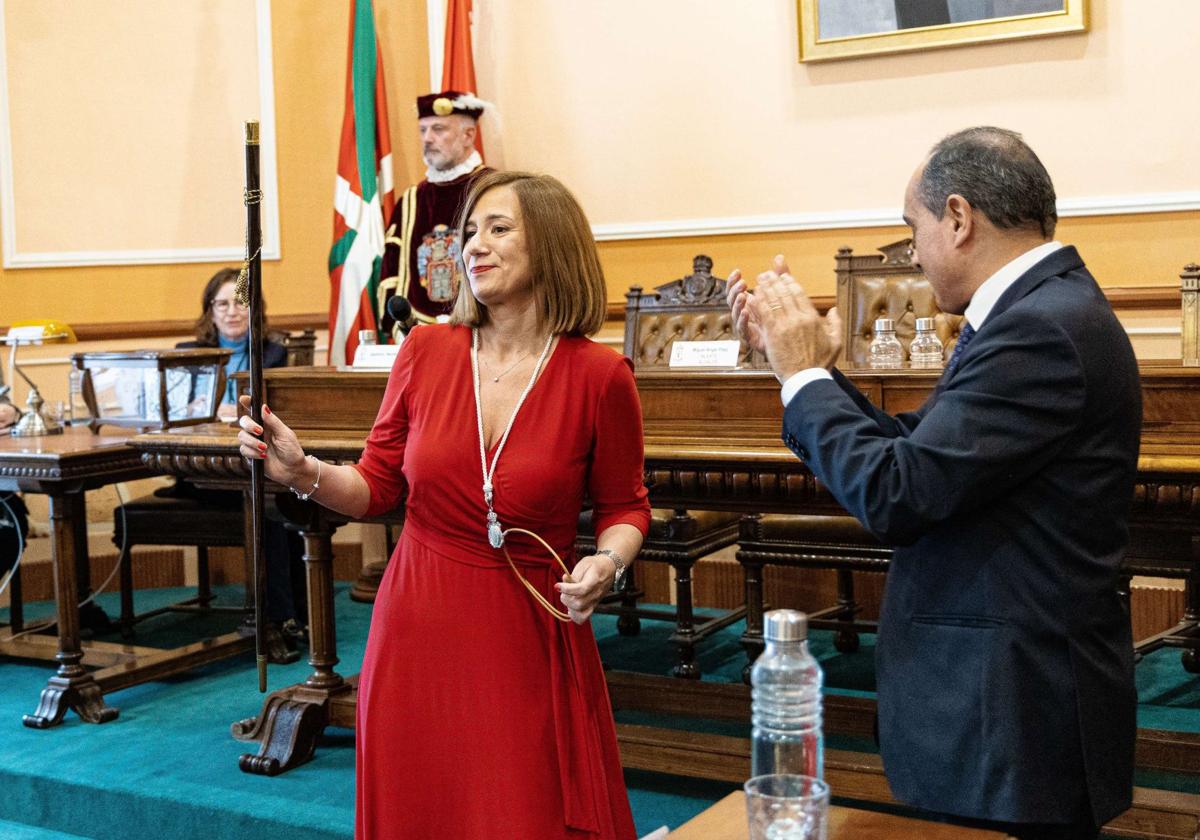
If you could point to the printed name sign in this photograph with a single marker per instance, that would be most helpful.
(375, 356)
(704, 354)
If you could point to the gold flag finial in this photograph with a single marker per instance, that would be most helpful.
(252, 132)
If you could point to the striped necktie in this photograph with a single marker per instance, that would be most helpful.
(964, 338)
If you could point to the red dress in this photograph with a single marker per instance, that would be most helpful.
(479, 714)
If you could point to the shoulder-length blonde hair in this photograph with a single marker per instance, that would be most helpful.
(568, 282)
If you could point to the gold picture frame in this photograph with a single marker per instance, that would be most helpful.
(841, 40)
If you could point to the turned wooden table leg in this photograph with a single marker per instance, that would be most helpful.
(72, 687)
(684, 636)
(293, 719)
(322, 631)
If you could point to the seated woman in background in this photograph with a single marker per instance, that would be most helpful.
(223, 322)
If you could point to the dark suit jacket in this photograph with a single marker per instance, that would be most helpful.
(1004, 657)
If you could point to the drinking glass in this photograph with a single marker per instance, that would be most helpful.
(783, 806)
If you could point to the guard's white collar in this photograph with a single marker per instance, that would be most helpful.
(441, 176)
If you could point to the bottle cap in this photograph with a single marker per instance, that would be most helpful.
(924, 324)
(785, 626)
(884, 325)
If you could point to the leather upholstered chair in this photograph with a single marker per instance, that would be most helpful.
(178, 519)
(870, 286)
(693, 309)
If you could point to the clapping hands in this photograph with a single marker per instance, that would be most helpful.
(779, 320)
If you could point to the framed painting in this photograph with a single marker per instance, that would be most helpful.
(833, 29)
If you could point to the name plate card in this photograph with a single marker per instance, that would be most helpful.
(705, 354)
(375, 356)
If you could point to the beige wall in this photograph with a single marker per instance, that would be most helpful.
(692, 110)
(1138, 250)
(138, 100)
(681, 109)
(309, 40)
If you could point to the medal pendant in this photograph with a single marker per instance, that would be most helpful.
(495, 534)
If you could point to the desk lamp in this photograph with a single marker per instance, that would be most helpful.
(33, 423)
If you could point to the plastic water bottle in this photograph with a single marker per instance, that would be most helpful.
(885, 351)
(785, 705)
(926, 350)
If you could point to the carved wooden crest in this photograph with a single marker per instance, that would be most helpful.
(898, 253)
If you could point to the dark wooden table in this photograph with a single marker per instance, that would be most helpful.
(64, 467)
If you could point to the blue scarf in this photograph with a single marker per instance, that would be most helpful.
(240, 360)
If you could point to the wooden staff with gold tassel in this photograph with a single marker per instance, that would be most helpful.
(249, 293)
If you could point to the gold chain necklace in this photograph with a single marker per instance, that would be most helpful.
(496, 378)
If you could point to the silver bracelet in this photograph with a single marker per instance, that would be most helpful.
(316, 484)
(618, 564)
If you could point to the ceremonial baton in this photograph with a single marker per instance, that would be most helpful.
(249, 294)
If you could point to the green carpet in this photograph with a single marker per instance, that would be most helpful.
(169, 761)
(20, 831)
(168, 765)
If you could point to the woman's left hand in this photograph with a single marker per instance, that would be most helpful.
(593, 579)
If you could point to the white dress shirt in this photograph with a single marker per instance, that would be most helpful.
(978, 309)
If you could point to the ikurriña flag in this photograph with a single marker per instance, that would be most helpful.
(363, 193)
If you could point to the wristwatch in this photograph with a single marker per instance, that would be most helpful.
(619, 563)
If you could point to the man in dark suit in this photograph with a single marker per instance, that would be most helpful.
(1004, 656)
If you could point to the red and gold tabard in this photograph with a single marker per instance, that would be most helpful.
(422, 228)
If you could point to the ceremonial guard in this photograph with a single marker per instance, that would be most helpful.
(422, 258)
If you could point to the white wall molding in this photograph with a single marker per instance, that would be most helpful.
(73, 259)
(1152, 331)
(880, 217)
(268, 180)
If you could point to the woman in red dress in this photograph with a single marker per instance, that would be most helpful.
(482, 706)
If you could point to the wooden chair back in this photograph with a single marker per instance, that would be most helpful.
(691, 308)
(885, 285)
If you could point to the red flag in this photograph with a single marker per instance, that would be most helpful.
(458, 65)
(363, 198)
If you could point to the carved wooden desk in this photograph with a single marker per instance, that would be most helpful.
(331, 412)
(64, 467)
(712, 441)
